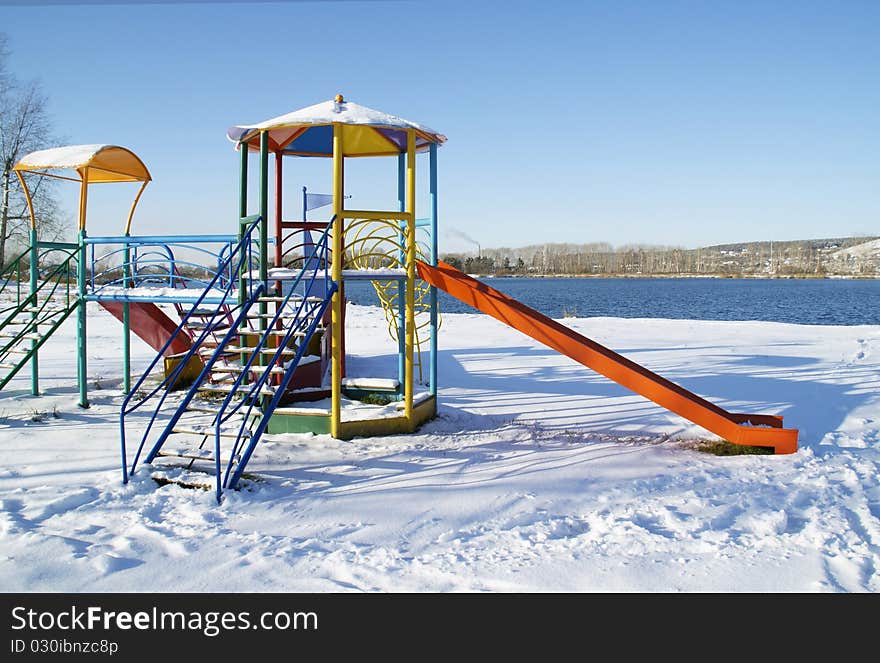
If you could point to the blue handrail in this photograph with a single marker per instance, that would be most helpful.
(244, 250)
(246, 393)
(294, 327)
(150, 261)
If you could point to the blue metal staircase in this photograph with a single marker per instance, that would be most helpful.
(220, 418)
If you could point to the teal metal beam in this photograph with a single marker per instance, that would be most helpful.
(35, 363)
(81, 365)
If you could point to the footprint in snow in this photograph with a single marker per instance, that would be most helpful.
(106, 564)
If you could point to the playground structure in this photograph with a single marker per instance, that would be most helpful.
(258, 346)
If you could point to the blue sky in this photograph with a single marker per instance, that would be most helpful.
(674, 123)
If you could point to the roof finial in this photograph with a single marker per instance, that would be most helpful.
(337, 104)
(339, 99)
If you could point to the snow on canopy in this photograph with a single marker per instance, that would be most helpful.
(105, 163)
(309, 131)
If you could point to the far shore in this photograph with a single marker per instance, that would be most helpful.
(681, 276)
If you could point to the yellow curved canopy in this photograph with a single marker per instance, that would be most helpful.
(91, 164)
(94, 163)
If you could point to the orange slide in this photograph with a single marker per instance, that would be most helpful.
(760, 430)
(151, 324)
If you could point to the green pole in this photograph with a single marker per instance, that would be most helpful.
(242, 209)
(34, 265)
(264, 206)
(81, 367)
(242, 213)
(126, 324)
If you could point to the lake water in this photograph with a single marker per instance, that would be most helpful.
(800, 301)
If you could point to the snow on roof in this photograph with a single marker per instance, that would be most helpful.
(291, 132)
(106, 163)
(344, 112)
(69, 156)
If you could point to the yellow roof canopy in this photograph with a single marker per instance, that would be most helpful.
(95, 163)
(91, 164)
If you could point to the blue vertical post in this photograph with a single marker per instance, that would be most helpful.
(81, 366)
(432, 156)
(401, 283)
(126, 323)
(34, 266)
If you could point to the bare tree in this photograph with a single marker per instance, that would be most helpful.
(24, 127)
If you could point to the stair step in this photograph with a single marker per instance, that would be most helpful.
(204, 408)
(204, 430)
(271, 332)
(205, 325)
(210, 342)
(269, 299)
(268, 315)
(8, 366)
(237, 349)
(196, 454)
(193, 454)
(205, 312)
(226, 388)
(231, 368)
(32, 337)
(188, 479)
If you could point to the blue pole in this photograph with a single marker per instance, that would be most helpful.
(432, 156)
(401, 283)
(126, 324)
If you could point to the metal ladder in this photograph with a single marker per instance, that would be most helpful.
(30, 318)
(223, 414)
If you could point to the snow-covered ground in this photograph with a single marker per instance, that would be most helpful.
(537, 475)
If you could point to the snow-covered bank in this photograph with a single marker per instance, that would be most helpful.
(537, 475)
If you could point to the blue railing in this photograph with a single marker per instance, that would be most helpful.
(308, 314)
(239, 260)
(247, 392)
(159, 263)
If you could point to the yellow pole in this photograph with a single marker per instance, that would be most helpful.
(336, 274)
(27, 197)
(83, 198)
(133, 206)
(81, 363)
(410, 271)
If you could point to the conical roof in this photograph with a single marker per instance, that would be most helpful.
(309, 131)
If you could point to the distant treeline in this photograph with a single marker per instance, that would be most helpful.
(798, 257)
